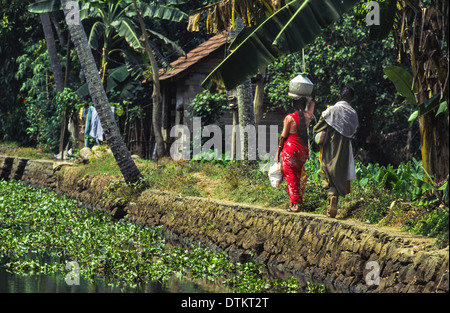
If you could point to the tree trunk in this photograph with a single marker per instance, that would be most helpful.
(64, 118)
(246, 115)
(156, 95)
(435, 146)
(429, 65)
(112, 134)
(259, 97)
(52, 52)
(56, 68)
(59, 32)
(244, 100)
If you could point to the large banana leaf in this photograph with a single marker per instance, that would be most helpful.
(388, 14)
(96, 35)
(164, 13)
(169, 43)
(403, 82)
(127, 29)
(115, 77)
(44, 6)
(288, 30)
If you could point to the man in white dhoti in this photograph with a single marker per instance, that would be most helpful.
(333, 132)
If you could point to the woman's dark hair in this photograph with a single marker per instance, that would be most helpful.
(347, 94)
(300, 106)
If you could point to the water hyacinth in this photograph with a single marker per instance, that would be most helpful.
(40, 232)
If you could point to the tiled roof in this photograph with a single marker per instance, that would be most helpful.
(194, 56)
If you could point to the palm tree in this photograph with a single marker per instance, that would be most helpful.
(114, 29)
(56, 67)
(123, 158)
(116, 23)
(52, 52)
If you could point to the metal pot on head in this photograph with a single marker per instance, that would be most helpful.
(300, 86)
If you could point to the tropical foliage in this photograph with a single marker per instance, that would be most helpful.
(276, 36)
(115, 38)
(222, 15)
(345, 55)
(18, 30)
(39, 105)
(421, 28)
(399, 70)
(208, 106)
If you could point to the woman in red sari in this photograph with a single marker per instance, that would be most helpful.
(293, 150)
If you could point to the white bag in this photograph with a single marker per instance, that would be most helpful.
(275, 174)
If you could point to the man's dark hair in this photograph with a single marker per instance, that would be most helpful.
(347, 94)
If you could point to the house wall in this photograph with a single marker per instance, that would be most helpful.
(186, 90)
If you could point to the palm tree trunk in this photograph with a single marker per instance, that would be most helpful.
(56, 68)
(245, 112)
(112, 134)
(64, 117)
(156, 95)
(259, 97)
(52, 52)
(245, 103)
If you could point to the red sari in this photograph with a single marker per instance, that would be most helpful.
(293, 158)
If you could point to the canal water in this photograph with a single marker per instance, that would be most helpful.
(13, 283)
(56, 283)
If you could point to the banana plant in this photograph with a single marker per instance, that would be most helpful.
(222, 14)
(115, 24)
(403, 82)
(288, 30)
(421, 28)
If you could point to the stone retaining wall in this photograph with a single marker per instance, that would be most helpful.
(342, 252)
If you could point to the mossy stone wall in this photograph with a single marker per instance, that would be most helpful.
(342, 252)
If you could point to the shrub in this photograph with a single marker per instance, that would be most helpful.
(208, 106)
